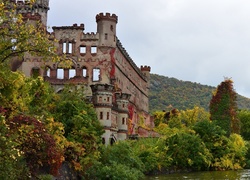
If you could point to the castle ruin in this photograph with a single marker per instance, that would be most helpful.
(117, 87)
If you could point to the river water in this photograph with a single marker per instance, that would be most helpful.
(207, 175)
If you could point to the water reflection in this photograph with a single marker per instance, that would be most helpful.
(210, 175)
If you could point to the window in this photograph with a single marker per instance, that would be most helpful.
(93, 49)
(108, 99)
(70, 48)
(107, 115)
(64, 47)
(111, 28)
(82, 49)
(60, 73)
(48, 72)
(101, 115)
(72, 73)
(123, 120)
(100, 99)
(35, 72)
(84, 72)
(96, 74)
(106, 36)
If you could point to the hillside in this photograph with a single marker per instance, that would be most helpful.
(168, 92)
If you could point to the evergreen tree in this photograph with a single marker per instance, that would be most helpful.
(223, 108)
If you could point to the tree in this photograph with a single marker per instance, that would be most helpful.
(244, 117)
(19, 38)
(223, 108)
(83, 130)
(191, 116)
(188, 151)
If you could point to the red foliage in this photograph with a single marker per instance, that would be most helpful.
(112, 72)
(38, 145)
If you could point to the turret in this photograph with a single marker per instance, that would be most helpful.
(102, 99)
(122, 100)
(146, 72)
(38, 10)
(106, 27)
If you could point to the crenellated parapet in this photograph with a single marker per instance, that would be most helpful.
(73, 27)
(107, 16)
(90, 36)
(29, 11)
(126, 55)
(24, 5)
(146, 68)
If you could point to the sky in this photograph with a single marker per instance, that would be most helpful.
(202, 41)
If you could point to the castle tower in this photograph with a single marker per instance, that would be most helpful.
(38, 11)
(146, 72)
(106, 27)
(122, 100)
(102, 99)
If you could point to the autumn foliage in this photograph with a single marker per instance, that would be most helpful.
(223, 108)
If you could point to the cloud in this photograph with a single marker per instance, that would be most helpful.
(194, 40)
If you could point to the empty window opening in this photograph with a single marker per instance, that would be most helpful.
(60, 73)
(111, 28)
(96, 74)
(48, 72)
(123, 120)
(35, 72)
(106, 36)
(107, 115)
(72, 73)
(82, 49)
(70, 48)
(64, 47)
(100, 99)
(108, 99)
(101, 115)
(84, 72)
(93, 49)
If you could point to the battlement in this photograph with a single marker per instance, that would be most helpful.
(106, 16)
(74, 26)
(145, 68)
(26, 4)
(90, 36)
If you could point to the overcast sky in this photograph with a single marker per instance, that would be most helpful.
(200, 41)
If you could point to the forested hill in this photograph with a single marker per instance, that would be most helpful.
(166, 93)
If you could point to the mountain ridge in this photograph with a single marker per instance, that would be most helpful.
(168, 92)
